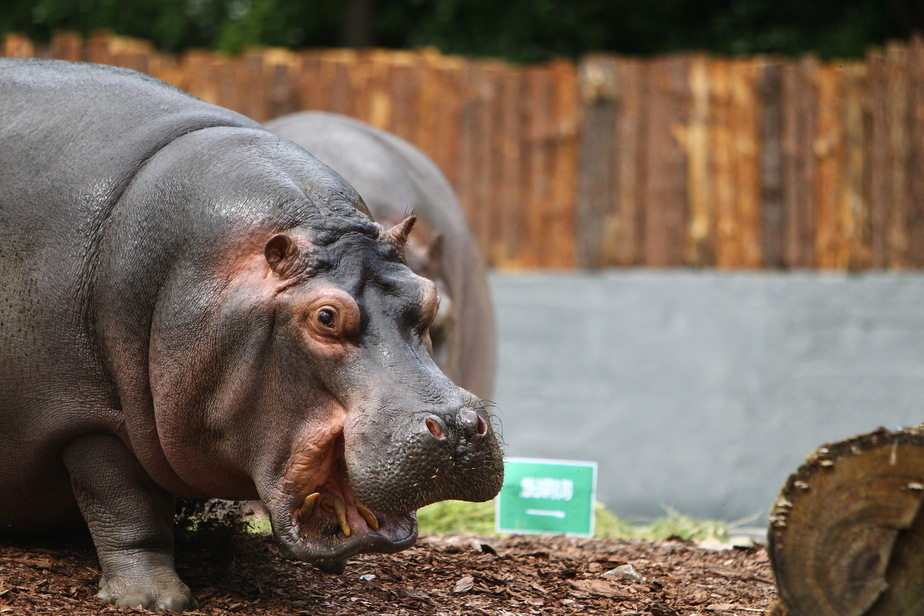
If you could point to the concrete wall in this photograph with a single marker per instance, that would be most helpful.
(703, 391)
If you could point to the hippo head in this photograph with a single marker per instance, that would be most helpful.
(394, 434)
(289, 355)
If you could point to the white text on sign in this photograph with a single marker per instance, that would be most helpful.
(546, 488)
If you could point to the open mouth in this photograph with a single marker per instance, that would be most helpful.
(325, 524)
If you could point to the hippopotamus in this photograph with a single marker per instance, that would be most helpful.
(191, 305)
(395, 178)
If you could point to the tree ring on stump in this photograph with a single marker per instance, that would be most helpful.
(846, 534)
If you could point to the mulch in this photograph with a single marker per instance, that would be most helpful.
(441, 575)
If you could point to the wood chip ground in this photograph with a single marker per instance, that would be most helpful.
(441, 575)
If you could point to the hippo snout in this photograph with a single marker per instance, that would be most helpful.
(437, 455)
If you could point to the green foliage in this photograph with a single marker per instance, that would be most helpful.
(449, 517)
(519, 30)
(682, 527)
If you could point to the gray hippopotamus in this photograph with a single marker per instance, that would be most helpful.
(395, 178)
(191, 305)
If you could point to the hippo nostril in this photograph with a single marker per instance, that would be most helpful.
(471, 422)
(436, 428)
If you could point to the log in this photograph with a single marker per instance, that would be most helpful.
(846, 534)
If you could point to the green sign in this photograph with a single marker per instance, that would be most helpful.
(554, 497)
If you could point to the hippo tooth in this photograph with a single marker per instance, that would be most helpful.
(311, 501)
(340, 508)
(368, 516)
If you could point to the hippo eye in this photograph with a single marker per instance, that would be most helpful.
(332, 317)
(327, 317)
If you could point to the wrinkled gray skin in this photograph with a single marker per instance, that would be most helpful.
(191, 305)
(394, 178)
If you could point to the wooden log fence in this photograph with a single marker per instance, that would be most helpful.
(680, 161)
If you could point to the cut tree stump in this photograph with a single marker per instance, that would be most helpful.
(847, 532)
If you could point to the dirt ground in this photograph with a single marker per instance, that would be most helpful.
(534, 576)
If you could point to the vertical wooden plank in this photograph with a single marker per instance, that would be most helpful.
(799, 163)
(534, 184)
(771, 163)
(896, 72)
(916, 154)
(130, 53)
(564, 186)
(465, 160)
(451, 132)
(508, 84)
(853, 207)
(18, 46)
(253, 70)
(429, 102)
(829, 244)
(336, 67)
(165, 66)
(281, 75)
(444, 110)
(480, 175)
(229, 91)
(625, 226)
(700, 236)
(359, 76)
(596, 192)
(311, 90)
(66, 46)
(98, 48)
(379, 103)
(404, 85)
(198, 78)
(746, 165)
(664, 188)
(721, 144)
(877, 169)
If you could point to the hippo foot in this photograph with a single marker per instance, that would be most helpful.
(164, 593)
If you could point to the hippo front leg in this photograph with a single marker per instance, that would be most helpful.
(131, 520)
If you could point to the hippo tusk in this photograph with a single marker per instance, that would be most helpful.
(368, 516)
(308, 507)
(340, 508)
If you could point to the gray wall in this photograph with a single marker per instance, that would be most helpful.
(703, 391)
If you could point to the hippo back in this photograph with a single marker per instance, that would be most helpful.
(395, 178)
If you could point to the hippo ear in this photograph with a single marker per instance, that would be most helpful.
(398, 234)
(282, 255)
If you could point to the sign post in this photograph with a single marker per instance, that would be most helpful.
(553, 497)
